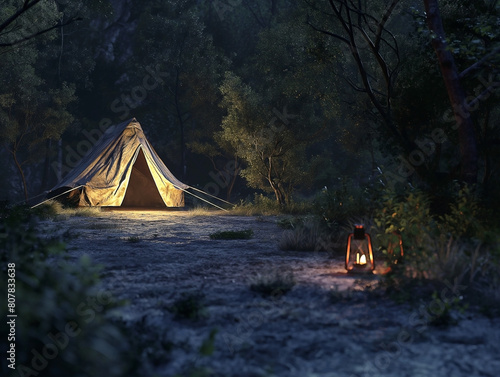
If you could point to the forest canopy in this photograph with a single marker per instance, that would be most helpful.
(277, 97)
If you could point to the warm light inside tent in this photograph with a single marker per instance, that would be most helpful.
(359, 253)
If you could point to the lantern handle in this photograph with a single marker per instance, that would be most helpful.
(370, 250)
(348, 251)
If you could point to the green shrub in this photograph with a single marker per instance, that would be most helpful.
(290, 223)
(274, 284)
(262, 205)
(457, 260)
(190, 305)
(410, 217)
(232, 235)
(59, 303)
(133, 239)
(337, 207)
(48, 210)
(308, 235)
(465, 218)
(442, 249)
(53, 209)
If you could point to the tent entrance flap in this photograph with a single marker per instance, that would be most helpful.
(141, 189)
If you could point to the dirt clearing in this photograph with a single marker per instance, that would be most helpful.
(329, 324)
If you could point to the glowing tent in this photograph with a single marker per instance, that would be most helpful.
(124, 170)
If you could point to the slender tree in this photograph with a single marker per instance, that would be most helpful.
(456, 93)
(42, 18)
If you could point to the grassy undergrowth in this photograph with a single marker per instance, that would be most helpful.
(189, 305)
(232, 235)
(53, 209)
(73, 313)
(273, 284)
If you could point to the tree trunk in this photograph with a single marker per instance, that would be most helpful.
(233, 179)
(46, 166)
(21, 173)
(456, 93)
(280, 198)
(59, 160)
(274, 7)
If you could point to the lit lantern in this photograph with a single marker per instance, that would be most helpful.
(359, 254)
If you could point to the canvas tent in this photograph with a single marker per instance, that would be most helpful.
(124, 170)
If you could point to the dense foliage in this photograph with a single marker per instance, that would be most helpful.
(270, 99)
(276, 96)
(63, 325)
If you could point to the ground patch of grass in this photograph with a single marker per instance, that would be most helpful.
(53, 209)
(262, 205)
(306, 234)
(205, 211)
(190, 305)
(232, 235)
(133, 239)
(274, 284)
(97, 226)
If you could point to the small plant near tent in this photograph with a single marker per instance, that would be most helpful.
(134, 239)
(53, 209)
(274, 284)
(232, 235)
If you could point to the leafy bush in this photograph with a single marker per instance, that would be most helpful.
(410, 217)
(232, 235)
(290, 223)
(274, 284)
(465, 216)
(189, 305)
(335, 207)
(69, 329)
(308, 235)
(446, 248)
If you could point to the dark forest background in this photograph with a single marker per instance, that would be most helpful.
(274, 96)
